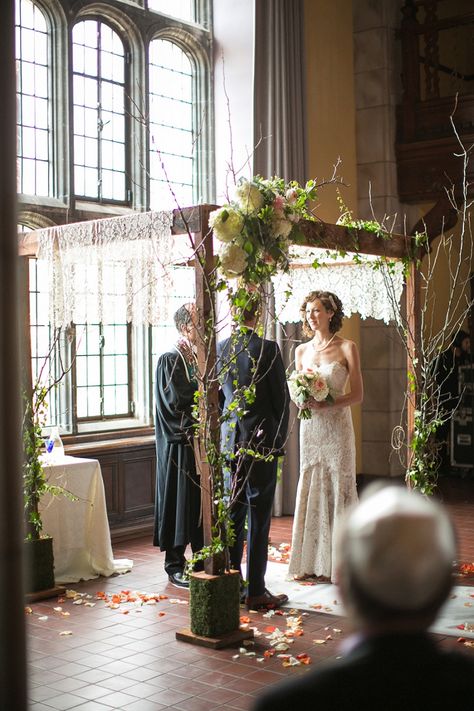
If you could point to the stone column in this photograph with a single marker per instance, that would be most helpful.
(377, 91)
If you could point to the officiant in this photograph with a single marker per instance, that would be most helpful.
(178, 495)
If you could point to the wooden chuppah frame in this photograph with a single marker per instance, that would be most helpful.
(195, 221)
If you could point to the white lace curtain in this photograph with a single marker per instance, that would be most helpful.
(363, 289)
(99, 270)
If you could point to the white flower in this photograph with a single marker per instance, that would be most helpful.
(227, 223)
(281, 228)
(233, 260)
(248, 197)
(291, 195)
(294, 217)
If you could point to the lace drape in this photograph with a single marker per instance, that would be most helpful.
(362, 289)
(99, 270)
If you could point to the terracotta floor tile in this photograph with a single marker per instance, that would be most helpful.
(169, 697)
(220, 695)
(141, 690)
(68, 685)
(195, 704)
(145, 705)
(63, 702)
(91, 692)
(244, 686)
(242, 703)
(93, 706)
(114, 683)
(174, 681)
(42, 693)
(93, 676)
(139, 674)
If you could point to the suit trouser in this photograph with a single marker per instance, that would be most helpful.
(175, 560)
(256, 491)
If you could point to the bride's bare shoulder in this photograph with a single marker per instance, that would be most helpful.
(302, 347)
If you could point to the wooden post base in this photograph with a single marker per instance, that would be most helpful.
(225, 640)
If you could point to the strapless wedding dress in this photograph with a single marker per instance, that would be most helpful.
(327, 482)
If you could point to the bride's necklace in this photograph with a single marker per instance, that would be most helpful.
(318, 350)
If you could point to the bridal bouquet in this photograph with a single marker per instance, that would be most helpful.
(307, 384)
(257, 227)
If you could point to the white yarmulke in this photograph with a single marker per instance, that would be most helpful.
(401, 546)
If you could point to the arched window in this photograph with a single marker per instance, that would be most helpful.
(99, 63)
(171, 127)
(33, 99)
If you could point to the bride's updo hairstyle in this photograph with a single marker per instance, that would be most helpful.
(331, 302)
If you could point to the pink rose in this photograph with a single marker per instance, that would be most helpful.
(278, 204)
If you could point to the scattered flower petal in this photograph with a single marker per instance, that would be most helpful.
(290, 662)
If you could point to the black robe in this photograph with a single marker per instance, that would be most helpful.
(178, 496)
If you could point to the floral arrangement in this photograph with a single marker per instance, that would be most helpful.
(258, 226)
(304, 385)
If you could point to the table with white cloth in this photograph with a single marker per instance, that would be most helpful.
(80, 527)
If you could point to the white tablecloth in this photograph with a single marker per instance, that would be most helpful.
(80, 528)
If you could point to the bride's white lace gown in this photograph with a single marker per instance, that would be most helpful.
(327, 483)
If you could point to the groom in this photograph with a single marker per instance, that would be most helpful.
(260, 424)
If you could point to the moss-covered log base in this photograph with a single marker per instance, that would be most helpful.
(214, 608)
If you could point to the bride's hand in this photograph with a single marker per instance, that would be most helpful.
(315, 405)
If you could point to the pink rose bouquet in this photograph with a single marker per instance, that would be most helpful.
(304, 385)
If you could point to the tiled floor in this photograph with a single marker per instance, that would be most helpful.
(97, 658)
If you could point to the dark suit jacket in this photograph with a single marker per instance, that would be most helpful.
(265, 422)
(387, 673)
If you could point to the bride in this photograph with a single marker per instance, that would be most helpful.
(327, 482)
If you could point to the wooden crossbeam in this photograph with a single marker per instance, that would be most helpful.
(337, 237)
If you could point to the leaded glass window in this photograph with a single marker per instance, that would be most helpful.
(33, 100)
(171, 134)
(99, 64)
